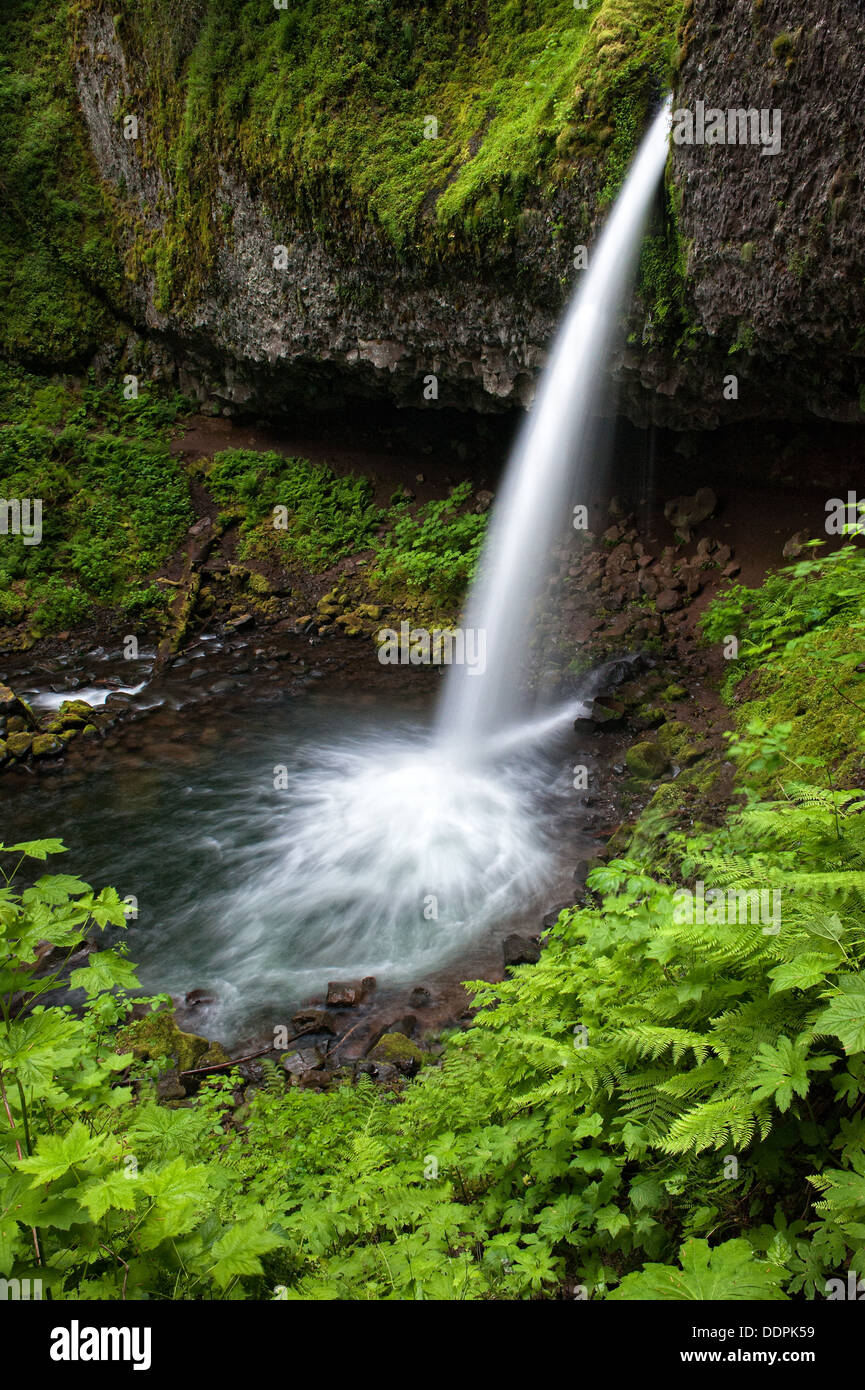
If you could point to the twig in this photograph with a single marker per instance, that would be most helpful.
(232, 1062)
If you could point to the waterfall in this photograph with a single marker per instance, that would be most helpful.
(393, 852)
(553, 455)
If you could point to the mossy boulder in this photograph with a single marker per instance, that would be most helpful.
(72, 709)
(19, 745)
(13, 707)
(158, 1036)
(259, 584)
(398, 1051)
(328, 607)
(47, 746)
(646, 761)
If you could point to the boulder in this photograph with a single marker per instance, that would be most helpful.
(298, 1063)
(667, 601)
(396, 1050)
(521, 950)
(344, 993)
(551, 918)
(646, 761)
(19, 745)
(48, 745)
(684, 513)
(157, 1035)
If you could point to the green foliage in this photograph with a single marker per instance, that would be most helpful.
(667, 1106)
(115, 501)
(790, 605)
(98, 1199)
(58, 259)
(431, 555)
(796, 687)
(729, 1273)
(326, 113)
(326, 516)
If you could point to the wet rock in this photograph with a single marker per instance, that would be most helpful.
(48, 745)
(521, 950)
(380, 1071)
(157, 1035)
(344, 993)
(680, 744)
(197, 997)
(306, 1059)
(407, 1025)
(18, 745)
(646, 761)
(730, 571)
(315, 1020)
(420, 997)
(648, 583)
(12, 707)
(606, 710)
(483, 501)
(243, 620)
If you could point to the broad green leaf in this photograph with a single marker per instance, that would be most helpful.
(729, 1273)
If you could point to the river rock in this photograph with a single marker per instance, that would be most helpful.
(49, 745)
(344, 993)
(315, 1020)
(169, 1086)
(298, 1063)
(19, 745)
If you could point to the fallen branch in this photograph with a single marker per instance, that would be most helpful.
(220, 1066)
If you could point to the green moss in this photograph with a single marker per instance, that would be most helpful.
(328, 115)
(816, 691)
(157, 1036)
(646, 761)
(59, 267)
(398, 1051)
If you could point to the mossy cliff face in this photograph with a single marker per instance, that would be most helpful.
(774, 244)
(406, 256)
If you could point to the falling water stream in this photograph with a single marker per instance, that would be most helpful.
(554, 454)
(389, 845)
